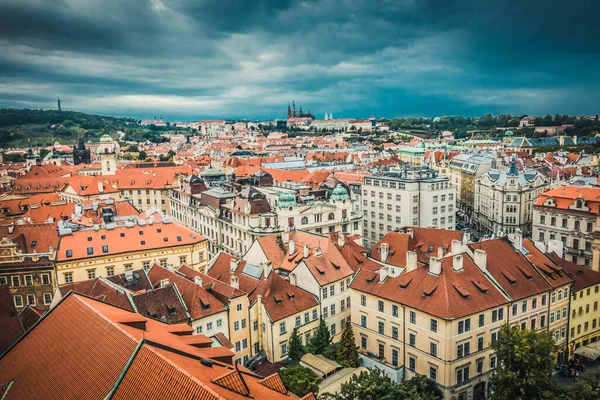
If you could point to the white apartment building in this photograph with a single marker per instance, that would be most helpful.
(504, 200)
(568, 214)
(406, 197)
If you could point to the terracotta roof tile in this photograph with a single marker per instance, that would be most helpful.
(12, 329)
(233, 381)
(274, 382)
(452, 294)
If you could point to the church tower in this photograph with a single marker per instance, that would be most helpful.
(107, 153)
(58, 103)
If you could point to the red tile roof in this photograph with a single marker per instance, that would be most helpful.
(152, 236)
(29, 316)
(279, 297)
(422, 240)
(96, 349)
(511, 269)
(553, 273)
(354, 255)
(452, 294)
(163, 304)
(324, 261)
(198, 301)
(582, 277)
(12, 328)
(565, 196)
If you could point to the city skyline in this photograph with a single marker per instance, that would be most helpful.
(353, 59)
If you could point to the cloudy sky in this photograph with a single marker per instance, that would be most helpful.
(189, 59)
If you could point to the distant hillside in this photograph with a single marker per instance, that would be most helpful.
(40, 126)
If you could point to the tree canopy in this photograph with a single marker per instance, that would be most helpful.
(347, 350)
(300, 380)
(526, 359)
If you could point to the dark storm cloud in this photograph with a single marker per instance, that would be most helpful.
(194, 58)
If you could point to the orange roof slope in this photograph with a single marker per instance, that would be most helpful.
(198, 301)
(452, 294)
(125, 239)
(565, 196)
(424, 241)
(12, 329)
(511, 269)
(553, 273)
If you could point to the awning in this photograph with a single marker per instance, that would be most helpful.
(588, 352)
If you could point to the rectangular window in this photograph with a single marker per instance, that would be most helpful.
(363, 300)
(363, 321)
(18, 301)
(543, 300)
(363, 342)
(314, 314)
(433, 349)
(28, 280)
(324, 292)
(480, 343)
(413, 317)
(412, 363)
(110, 271)
(412, 339)
(394, 332)
(91, 273)
(47, 298)
(68, 277)
(15, 280)
(434, 325)
(381, 327)
(433, 373)
(394, 310)
(45, 279)
(380, 307)
(282, 328)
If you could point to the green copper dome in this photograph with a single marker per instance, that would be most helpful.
(287, 199)
(509, 133)
(340, 193)
(106, 139)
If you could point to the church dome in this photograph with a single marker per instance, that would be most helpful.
(508, 133)
(287, 199)
(340, 193)
(106, 139)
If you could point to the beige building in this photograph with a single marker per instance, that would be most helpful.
(504, 200)
(568, 214)
(437, 320)
(86, 254)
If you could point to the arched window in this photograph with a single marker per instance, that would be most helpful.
(304, 220)
(331, 216)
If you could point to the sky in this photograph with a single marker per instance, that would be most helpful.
(193, 59)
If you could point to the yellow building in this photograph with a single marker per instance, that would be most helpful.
(437, 320)
(276, 306)
(87, 254)
(584, 318)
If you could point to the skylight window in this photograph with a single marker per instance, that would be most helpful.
(122, 234)
(69, 253)
(158, 230)
(143, 242)
(90, 250)
(179, 238)
(141, 232)
(103, 237)
(105, 249)
(166, 239)
(89, 238)
(33, 243)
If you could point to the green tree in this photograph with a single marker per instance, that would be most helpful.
(526, 359)
(300, 380)
(347, 351)
(142, 155)
(321, 340)
(375, 385)
(587, 388)
(296, 350)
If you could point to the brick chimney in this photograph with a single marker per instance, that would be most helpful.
(411, 261)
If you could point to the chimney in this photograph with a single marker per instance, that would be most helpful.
(480, 257)
(341, 241)
(517, 240)
(268, 269)
(232, 264)
(383, 273)
(164, 282)
(457, 262)
(292, 247)
(435, 266)
(466, 237)
(440, 252)
(198, 280)
(385, 251)
(11, 228)
(556, 246)
(411, 261)
(541, 246)
(318, 252)
(456, 247)
(575, 139)
(293, 279)
(234, 282)
(100, 186)
(285, 237)
(306, 250)
(170, 267)
(409, 231)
